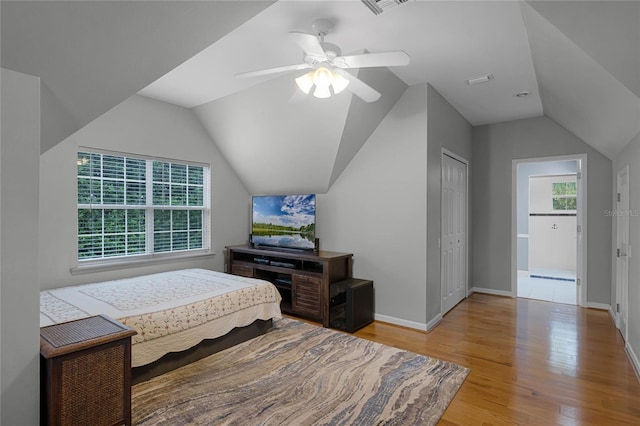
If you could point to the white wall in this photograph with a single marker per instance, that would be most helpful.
(19, 153)
(630, 156)
(494, 148)
(376, 210)
(138, 126)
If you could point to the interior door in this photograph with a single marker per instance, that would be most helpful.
(622, 251)
(454, 232)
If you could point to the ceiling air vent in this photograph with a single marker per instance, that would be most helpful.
(379, 6)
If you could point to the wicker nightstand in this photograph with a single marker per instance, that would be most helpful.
(86, 372)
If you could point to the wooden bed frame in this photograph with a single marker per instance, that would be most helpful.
(207, 347)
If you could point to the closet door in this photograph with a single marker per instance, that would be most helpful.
(454, 232)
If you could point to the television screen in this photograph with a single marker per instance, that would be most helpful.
(287, 221)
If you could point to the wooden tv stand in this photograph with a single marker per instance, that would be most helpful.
(303, 278)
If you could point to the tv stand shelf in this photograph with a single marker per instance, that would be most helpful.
(303, 278)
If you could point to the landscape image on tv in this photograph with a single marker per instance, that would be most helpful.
(287, 221)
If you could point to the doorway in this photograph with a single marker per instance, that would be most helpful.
(548, 237)
(453, 220)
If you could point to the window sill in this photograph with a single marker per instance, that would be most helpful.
(125, 264)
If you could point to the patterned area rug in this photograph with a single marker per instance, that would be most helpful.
(300, 374)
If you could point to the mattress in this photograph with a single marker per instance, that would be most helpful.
(170, 311)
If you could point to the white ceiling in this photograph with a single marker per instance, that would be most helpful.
(448, 42)
(579, 59)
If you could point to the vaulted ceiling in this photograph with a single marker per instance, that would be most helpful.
(579, 60)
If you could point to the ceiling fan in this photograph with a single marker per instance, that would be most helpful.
(328, 66)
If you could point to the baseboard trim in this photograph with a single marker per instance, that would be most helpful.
(489, 291)
(435, 321)
(404, 323)
(613, 316)
(595, 305)
(633, 358)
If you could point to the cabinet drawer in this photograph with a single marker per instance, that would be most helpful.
(306, 295)
(244, 271)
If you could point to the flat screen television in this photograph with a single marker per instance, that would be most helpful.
(284, 221)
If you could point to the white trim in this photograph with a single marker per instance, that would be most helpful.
(552, 174)
(137, 156)
(523, 235)
(129, 263)
(612, 314)
(455, 156)
(402, 322)
(581, 218)
(434, 321)
(602, 306)
(491, 291)
(633, 358)
(622, 292)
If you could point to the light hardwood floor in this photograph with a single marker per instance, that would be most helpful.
(532, 363)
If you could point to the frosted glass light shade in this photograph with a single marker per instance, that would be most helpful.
(322, 92)
(305, 82)
(339, 83)
(322, 77)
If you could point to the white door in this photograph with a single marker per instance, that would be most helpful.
(454, 232)
(552, 225)
(622, 252)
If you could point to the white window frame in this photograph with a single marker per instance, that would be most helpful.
(148, 257)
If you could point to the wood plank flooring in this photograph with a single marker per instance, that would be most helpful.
(532, 363)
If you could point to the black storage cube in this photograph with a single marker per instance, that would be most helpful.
(351, 304)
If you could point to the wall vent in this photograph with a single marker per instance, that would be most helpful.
(379, 6)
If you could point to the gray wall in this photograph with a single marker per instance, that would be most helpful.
(525, 171)
(446, 129)
(385, 207)
(630, 156)
(376, 210)
(19, 153)
(494, 148)
(137, 126)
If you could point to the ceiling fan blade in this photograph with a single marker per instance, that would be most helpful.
(273, 70)
(309, 44)
(368, 60)
(359, 87)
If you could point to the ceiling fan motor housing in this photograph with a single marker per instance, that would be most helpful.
(321, 27)
(331, 50)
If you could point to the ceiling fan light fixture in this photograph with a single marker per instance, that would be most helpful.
(322, 92)
(339, 83)
(322, 77)
(305, 82)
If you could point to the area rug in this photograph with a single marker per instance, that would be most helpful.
(300, 374)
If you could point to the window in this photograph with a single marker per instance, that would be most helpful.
(564, 195)
(133, 206)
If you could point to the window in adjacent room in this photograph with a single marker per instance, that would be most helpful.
(140, 207)
(564, 195)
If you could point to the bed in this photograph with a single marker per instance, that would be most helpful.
(179, 316)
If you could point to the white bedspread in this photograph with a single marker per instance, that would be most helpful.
(171, 311)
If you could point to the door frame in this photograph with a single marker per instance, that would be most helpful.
(581, 221)
(622, 293)
(464, 161)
